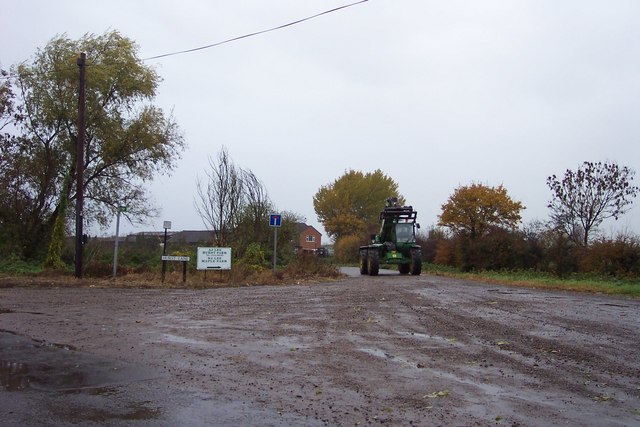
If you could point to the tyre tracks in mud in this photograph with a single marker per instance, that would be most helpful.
(385, 350)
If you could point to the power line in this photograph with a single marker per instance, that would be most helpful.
(279, 27)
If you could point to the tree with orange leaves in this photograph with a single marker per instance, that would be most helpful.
(472, 210)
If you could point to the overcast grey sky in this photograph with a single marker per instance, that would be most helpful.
(436, 94)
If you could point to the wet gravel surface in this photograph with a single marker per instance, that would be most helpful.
(386, 350)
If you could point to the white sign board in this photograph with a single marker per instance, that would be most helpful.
(214, 259)
(175, 258)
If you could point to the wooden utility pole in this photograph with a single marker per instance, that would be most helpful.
(80, 163)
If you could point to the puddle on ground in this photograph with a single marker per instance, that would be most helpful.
(393, 357)
(132, 412)
(177, 339)
(27, 364)
(438, 340)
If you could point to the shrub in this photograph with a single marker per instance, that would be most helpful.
(346, 249)
(560, 255)
(254, 258)
(309, 265)
(499, 249)
(619, 257)
(430, 243)
(15, 266)
(445, 253)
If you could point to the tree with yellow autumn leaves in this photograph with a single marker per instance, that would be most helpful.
(350, 205)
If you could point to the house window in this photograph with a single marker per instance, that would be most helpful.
(311, 239)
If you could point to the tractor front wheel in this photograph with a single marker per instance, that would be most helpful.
(373, 264)
(416, 262)
(364, 268)
(403, 268)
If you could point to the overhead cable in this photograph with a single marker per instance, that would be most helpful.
(279, 27)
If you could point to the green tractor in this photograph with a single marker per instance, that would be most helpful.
(396, 243)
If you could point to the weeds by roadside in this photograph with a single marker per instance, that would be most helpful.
(303, 269)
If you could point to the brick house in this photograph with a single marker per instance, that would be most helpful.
(309, 239)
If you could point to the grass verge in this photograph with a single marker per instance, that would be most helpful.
(578, 283)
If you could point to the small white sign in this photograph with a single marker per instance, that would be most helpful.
(175, 258)
(214, 259)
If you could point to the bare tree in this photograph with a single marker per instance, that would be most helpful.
(586, 197)
(220, 196)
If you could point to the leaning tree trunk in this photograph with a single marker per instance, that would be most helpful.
(54, 252)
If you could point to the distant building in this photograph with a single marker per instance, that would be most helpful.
(309, 239)
(193, 237)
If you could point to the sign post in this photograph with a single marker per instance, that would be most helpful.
(166, 225)
(275, 221)
(183, 259)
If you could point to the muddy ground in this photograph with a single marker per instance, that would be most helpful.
(385, 350)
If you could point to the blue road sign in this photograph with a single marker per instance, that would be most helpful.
(275, 220)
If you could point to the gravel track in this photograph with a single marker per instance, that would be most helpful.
(386, 350)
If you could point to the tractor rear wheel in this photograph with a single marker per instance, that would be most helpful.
(364, 268)
(373, 264)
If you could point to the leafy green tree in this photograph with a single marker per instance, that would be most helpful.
(472, 210)
(8, 113)
(350, 206)
(586, 197)
(128, 139)
(12, 208)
